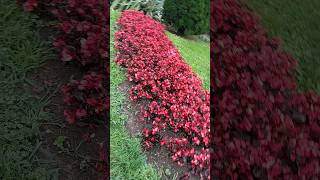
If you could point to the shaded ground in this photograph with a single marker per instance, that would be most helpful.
(35, 140)
(62, 147)
(158, 155)
(21, 51)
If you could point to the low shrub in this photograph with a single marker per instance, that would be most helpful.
(174, 97)
(263, 127)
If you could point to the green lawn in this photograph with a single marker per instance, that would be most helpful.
(127, 158)
(297, 24)
(21, 50)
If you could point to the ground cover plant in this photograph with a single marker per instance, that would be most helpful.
(82, 39)
(176, 100)
(263, 127)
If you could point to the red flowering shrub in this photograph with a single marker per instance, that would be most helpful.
(263, 128)
(176, 101)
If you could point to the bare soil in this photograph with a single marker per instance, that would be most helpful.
(74, 159)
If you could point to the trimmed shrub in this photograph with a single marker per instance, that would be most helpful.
(187, 17)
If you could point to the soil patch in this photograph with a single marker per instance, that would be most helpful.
(158, 155)
(62, 147)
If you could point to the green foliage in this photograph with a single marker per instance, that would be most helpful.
(60, 143)
(189, 17)
(152, 8)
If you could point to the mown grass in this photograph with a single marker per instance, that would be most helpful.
(21, 50)
(127, 160)
(196, 54)
(297, 24)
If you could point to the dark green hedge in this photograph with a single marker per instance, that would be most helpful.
(189, 17)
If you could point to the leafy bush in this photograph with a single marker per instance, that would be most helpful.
(176, 101)
(263, 127)
(187, 17)
(152, 8)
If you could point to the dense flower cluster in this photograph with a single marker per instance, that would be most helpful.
(176, 109)
(83, 38)
(263, 127)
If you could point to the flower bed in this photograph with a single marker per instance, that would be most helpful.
(174, 97)
(83, 39)
(263, 127)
